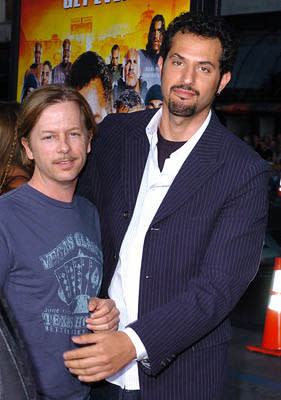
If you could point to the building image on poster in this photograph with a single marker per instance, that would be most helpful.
(100, 47)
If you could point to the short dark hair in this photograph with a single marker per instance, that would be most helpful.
(129, 98)
(48, 63)
(66, 41)
(115, 47)
(37, 44)
(154, 93)
(156, 18)
(206, 26)
(86, 67)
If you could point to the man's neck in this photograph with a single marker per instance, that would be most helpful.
(61, 192)
(135, 88)
(65, 64)
(179, 129)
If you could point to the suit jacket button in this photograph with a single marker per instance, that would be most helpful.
(126, 214)
(115, 257)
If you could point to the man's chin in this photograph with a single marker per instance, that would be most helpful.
(132, 84)
(181, 110)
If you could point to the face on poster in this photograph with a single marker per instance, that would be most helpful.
(106, 49)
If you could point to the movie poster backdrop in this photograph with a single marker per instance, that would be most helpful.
(106, 49)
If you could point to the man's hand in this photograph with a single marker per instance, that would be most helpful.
(106, 354)
(104, 315)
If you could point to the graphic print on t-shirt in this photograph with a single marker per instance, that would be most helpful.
(77, 278)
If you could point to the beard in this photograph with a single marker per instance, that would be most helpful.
(180, 109)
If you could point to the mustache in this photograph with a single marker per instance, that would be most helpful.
(186, 87)
(63, 159)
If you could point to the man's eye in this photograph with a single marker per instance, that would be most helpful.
(74, 134)
(48, 137)
(177, 62)
(204, 69)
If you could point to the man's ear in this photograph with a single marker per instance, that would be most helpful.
(89, 143)
(25, 143)
(224, 81)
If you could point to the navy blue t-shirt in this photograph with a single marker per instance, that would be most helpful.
(51, 264)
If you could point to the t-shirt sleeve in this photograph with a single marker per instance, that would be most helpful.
(5, 257)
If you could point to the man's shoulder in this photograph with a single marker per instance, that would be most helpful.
(12, 202)
(121, 121)
(57, 67)
(60, 68)
(143, 84)
(12, 194)
(127, 118)
(143, 53)
(121, 84)
(115, 128)
(85, 205)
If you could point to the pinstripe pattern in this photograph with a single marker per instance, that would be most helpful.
(200, 253)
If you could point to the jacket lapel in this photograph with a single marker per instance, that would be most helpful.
(135, 150)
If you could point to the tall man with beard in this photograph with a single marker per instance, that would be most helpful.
(183, 206)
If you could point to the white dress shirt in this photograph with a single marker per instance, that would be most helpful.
(124, 287)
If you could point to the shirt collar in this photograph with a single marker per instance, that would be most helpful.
(154, 123)
(152, 127)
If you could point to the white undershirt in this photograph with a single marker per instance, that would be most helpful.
(124, 287)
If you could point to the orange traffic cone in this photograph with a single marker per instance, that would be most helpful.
(271, 342)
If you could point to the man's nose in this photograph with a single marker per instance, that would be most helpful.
(63, 144)
(189, 74)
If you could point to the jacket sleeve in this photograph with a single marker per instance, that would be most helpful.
(89, 182)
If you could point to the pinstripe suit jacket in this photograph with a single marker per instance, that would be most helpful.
(200, 253)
